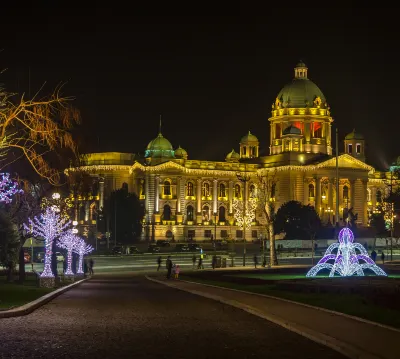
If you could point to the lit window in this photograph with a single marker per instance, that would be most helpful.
(345, 192)
(311, 190)
(206, 189)
(237, 191)
(189, 213)
(189, 189)
(222, 190)
(167, 188)
(350, 146)
(221, 214)
(358, 148)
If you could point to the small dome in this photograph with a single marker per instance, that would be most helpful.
(291, 130)
(180, 153)
(159, 147)
(301, 64)
(249, 138)
(354, 136)
(232, 156)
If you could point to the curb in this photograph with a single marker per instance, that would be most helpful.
(37, 303)
(345, 349)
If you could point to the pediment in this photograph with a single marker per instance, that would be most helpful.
(345, 161)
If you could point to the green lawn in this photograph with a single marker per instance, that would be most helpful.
(352, 304)
(15, 294)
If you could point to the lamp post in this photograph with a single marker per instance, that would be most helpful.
(215, 230)
(244, 178)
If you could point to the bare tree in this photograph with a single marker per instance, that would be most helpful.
(266, 191)
(34, 128)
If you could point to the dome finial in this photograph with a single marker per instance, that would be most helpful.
(300, 71)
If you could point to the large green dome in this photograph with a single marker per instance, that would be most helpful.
(159, 147)
(301, 92)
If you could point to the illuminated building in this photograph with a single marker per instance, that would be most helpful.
(184, 197)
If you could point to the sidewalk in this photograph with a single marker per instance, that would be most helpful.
(352, 337)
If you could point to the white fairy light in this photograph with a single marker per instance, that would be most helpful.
(244, 220)
(81, 249)
(49, 225)
(68, 241)
(8, 188)
(346, 260)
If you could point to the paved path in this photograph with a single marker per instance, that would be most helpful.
(354, 337)
(131, 317)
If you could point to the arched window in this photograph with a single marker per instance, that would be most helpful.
(237, 191)
(345, 192)
(252, 190)
(167, 188)
(273, 190)
(82, 213)
(378, 196)
(125, 186)
(189, 213)
(206, 189)
(222, 190)
(221, 214)
(189, 189)
(311, 193)
(167, 213)
(317, 129)
(206, 213)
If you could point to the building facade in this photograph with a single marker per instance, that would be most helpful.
(186, 198)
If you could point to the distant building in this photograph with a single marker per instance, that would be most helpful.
(194, 198)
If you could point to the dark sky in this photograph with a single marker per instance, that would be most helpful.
(212, 78)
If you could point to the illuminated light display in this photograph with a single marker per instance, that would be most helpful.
(244, 220)
(68, 241)
(346, 261)
(81, 249)
(49, 225)
(8, 188)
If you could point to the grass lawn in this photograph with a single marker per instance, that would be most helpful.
(352, 304)
(15, 294)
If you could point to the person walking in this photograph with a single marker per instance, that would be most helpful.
(200, 265)
(255, 259)
(177, 271)
(169, 267)
(194, 260)
(214, 261)
(383, 257)
(91, 264)
(373, 255)
(159, 261)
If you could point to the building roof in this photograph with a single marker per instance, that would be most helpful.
(291, 130)
(232, 156)
(249, 138)
(354, 136)
(180, 152)
(159, 147)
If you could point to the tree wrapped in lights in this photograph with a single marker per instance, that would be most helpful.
(68, 241)
(346, 259)
(244, 217)
(49, 225)
(81, 249)
(8, 188)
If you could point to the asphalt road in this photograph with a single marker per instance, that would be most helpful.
(130, 317)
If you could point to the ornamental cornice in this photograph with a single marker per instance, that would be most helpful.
(96, 168)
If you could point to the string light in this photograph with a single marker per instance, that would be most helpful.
(8, 188)
(81, 249)
(244, 220)
(49, 225)
(346, 260)
(68, 241)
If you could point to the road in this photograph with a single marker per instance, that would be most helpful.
(131, 317)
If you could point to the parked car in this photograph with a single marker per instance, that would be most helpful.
(60, 257)
(194, 247)
(153, 248)
(116, 250)
(163, 243)
(132, 250)
(27, 257)
(182, 248)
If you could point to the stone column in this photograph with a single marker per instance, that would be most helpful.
(87, 210)
(178, 194)
(373, 197)
(318, 194)
(157, 194)
(101, 193)
(230, 196)
(215, 195)
(352, 192)
(306, 183)
(198, 195)
(365, 202)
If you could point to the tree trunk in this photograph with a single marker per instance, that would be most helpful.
(10, 272)
(21, 261)
(272, 252)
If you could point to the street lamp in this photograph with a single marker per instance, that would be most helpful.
(215, 230)
(244, 178)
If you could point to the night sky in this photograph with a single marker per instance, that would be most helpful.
(212, 78)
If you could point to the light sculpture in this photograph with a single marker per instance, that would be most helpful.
(81, 249)
(244, 220)
(8, 188)
(346, 261)
(49, 225)
(68, 241)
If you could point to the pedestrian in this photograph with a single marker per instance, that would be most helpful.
(373, 255)
(255, 259)
(91, 265)
(85, 266)
(159, 261)
(177, 271)
(194, 260)
(169, 267)
(214, 261)
(383, 257)
(200, 265)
